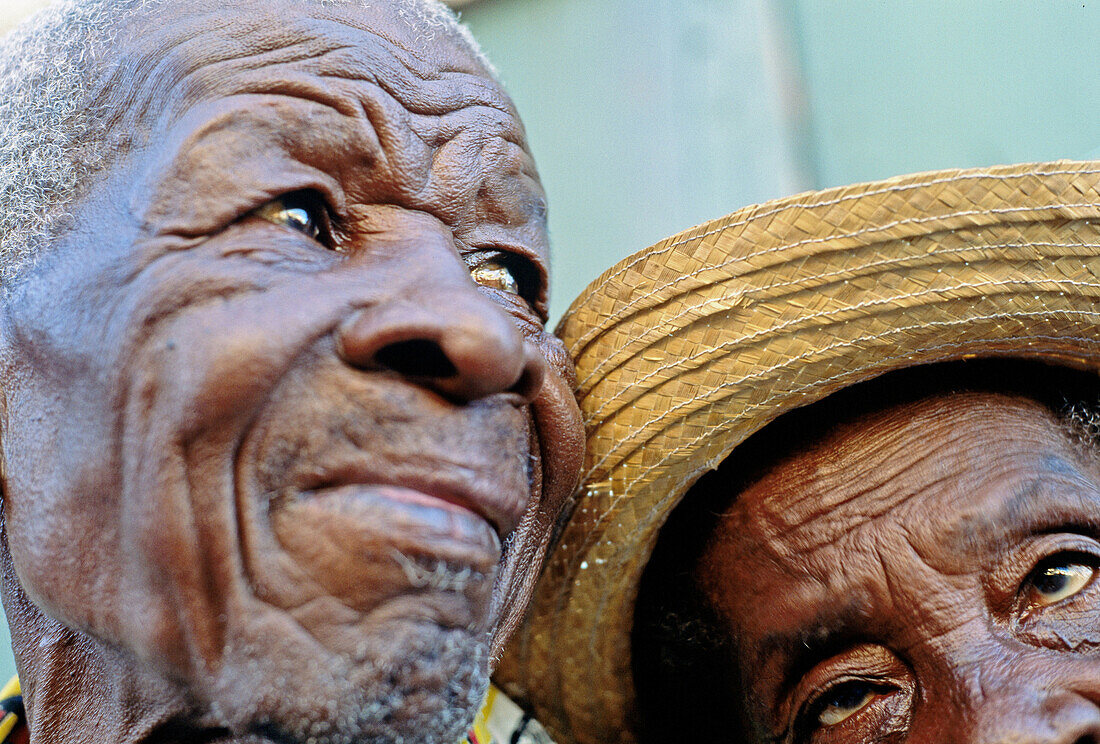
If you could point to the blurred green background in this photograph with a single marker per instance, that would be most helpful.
(649, 116)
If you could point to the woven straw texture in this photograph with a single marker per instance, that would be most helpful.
(685, 349)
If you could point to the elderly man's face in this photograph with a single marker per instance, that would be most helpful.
(925, 575)
(282, 422)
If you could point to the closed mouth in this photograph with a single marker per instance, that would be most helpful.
(439, 491)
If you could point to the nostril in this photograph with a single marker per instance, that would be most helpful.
(416, 358)
(529, 382)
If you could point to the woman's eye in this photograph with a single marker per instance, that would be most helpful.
(843, 702)
(496, 275)
(302, 211)
(1058, 578)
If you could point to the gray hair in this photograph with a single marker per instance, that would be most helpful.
(55, 128)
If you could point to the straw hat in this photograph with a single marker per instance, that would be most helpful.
(685, 349)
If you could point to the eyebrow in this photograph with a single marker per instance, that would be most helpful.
(831, 629)
(1059, 495)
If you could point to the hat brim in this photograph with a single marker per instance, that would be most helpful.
(687, 348)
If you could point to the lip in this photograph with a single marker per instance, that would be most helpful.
(368, 545)
(458, 532)
(440, 490)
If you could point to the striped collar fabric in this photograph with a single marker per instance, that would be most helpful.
(13, 723)
(500, 721)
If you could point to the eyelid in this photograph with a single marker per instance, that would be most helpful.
(1006, 581)
(869, 663)
(328, 190)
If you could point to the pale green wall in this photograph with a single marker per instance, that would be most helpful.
(648, 116)
(7, 661)
(897, 87)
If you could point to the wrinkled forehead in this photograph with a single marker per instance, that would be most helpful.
(423, 27)
(175, 53)
(956, 456)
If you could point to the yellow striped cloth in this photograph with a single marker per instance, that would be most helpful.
(503, 722)
(500, 721)
(13, 727)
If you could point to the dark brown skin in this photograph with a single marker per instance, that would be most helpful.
(927, 574)
(257, 482)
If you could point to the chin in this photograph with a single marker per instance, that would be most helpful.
(422, 683)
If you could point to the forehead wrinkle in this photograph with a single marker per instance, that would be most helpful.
(868, 587)
(487, 128)
(375, 75)
(819, 623)
(412, 41)
(1059, 496)
(440, 92)
(209, 53)
(420, 83)
(848, 495)
(247, 62)
(173, 65)
(868, 475)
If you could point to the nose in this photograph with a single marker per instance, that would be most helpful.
(1039, 718)
(452, 340)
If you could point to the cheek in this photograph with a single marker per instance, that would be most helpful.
(210, 368)
(1074, 628)
(60, 489)
(560, 442)
(557, 357)
(116, 500)
(85, 545)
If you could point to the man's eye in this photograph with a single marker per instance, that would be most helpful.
(495, 275)
(1059, 577)
(843, 701)
(512, 273)
(302, 211)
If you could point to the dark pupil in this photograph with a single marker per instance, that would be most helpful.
(1052, 580)
(847, 696)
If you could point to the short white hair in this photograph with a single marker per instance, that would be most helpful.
(55, 128)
